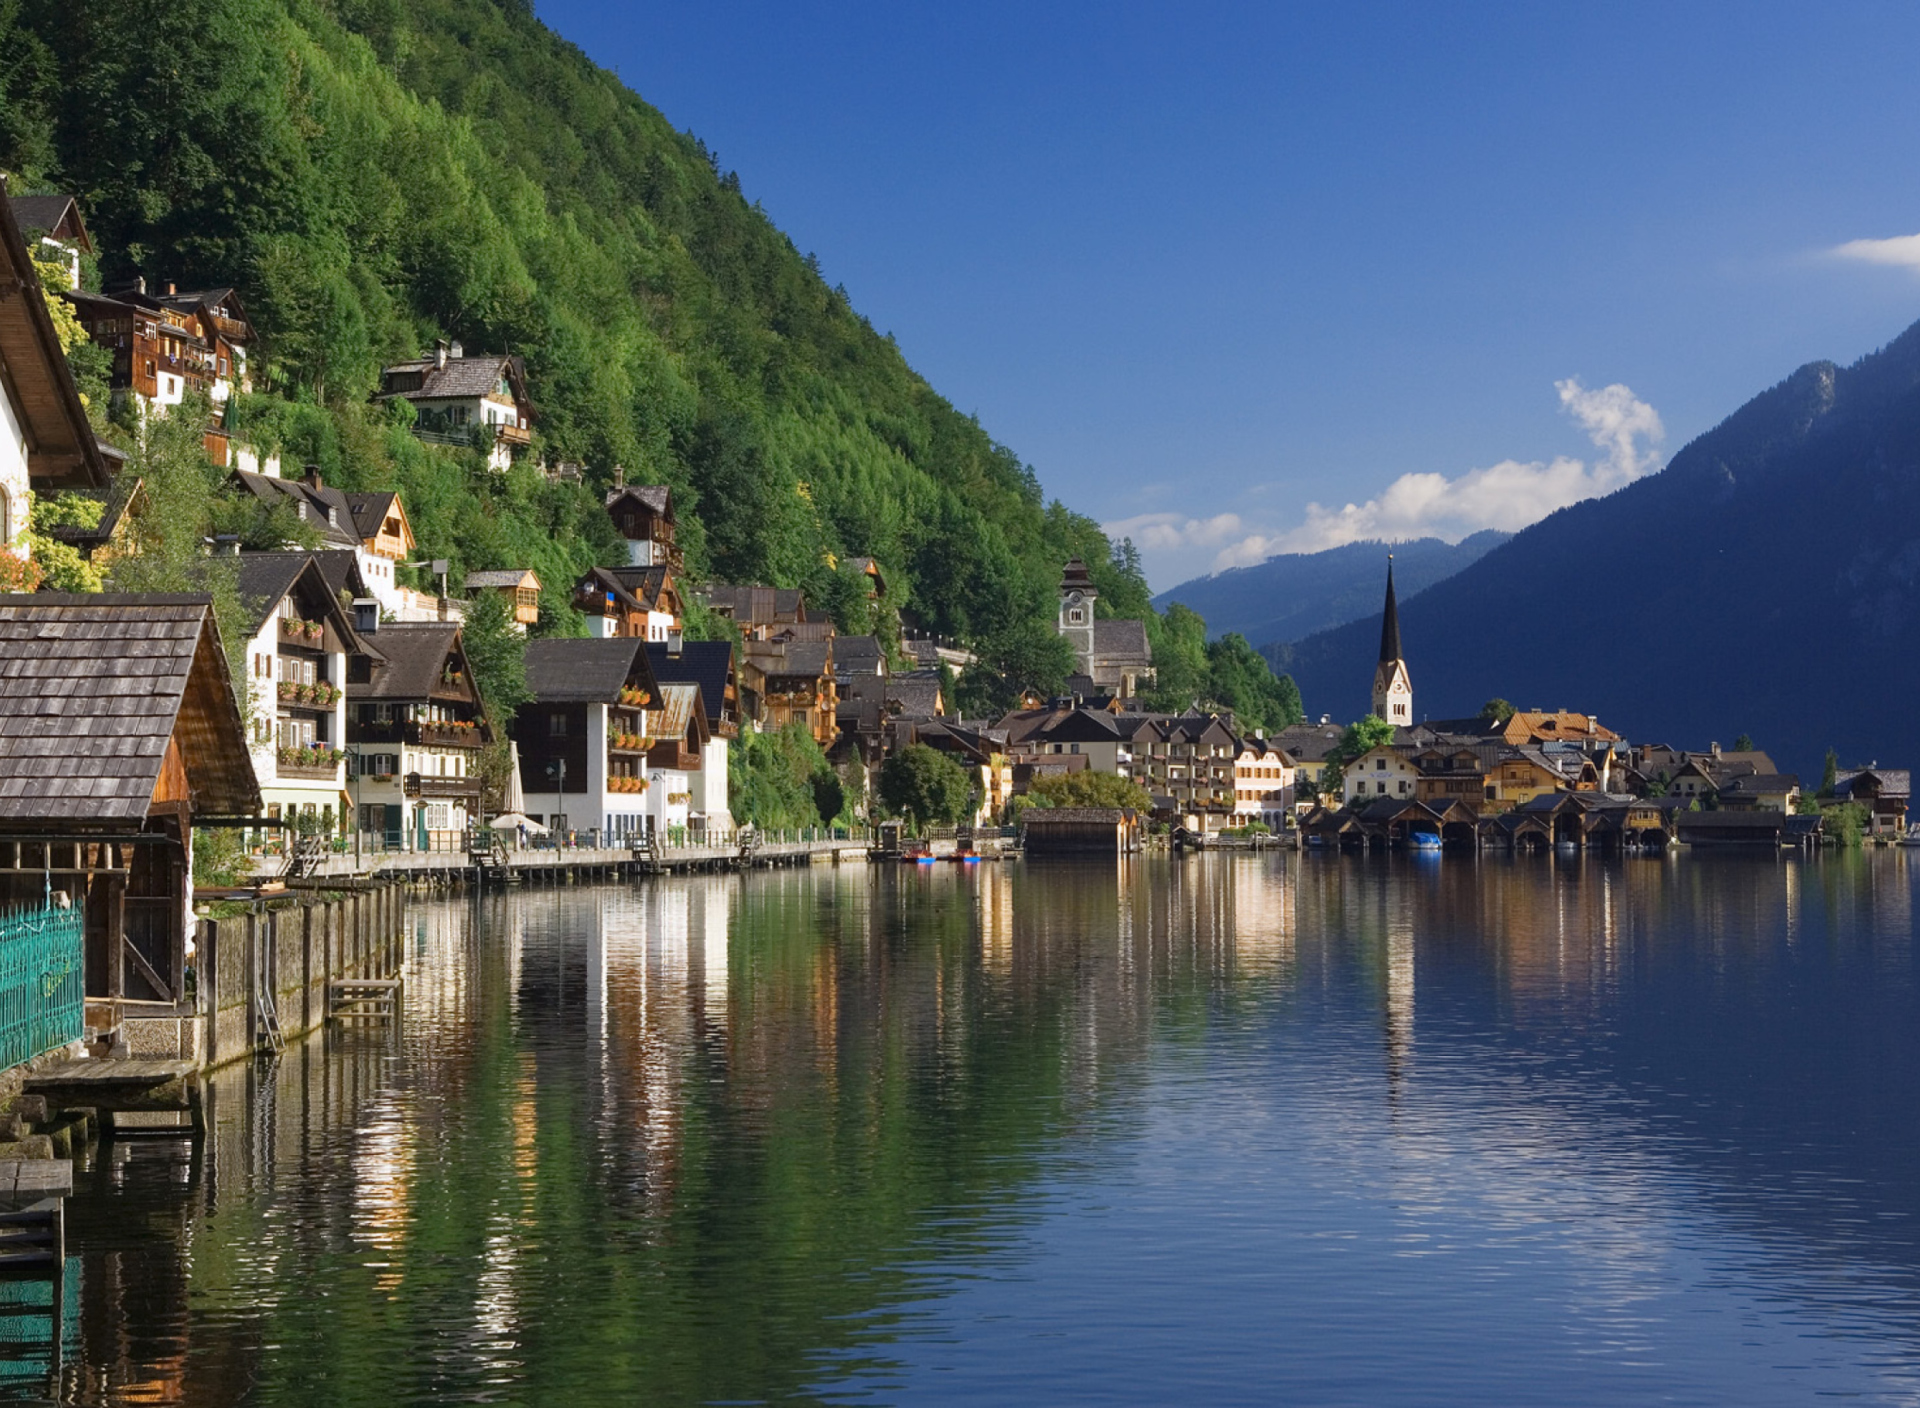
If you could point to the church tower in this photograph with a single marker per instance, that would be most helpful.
(1392, 685)
(1077, 593)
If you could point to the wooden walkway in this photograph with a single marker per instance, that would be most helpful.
(562, 864)
(111, 1086)
(29, 1180)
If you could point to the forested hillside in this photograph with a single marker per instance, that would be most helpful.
(1297, 593)
(1766, 582)
(373, 175)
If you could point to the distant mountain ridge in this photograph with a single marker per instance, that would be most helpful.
(1767, 581)
(1295, 594)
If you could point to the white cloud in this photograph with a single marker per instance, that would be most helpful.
(1508, 496)
(1902, 251)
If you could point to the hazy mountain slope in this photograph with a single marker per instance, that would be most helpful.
(1768, 581)
(1296, 594)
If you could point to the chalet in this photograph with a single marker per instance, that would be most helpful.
(1073, 731)
(710, 665)
(1454, 774)
(915, 694)
(644, 515)
(1109, 656)
(1885, 792)
(1382, 771)
(1262, 783)
(296, 688)
(638, 602)
(521, 588)
(386, 540)
(791, 681)
(460, 400)
(165, 345)
(46, 445)
(757, 611)
(585, 736)
(54, 229)
(1518, 776)
(121, 733)
(870, 569)
(415, 728)
(676, 757)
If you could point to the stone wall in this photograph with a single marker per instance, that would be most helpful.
(295, 949)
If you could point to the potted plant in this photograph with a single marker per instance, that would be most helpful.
(316, 631)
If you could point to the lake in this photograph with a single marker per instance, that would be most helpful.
(1228, 1129)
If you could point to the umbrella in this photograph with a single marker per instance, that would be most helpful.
(513, 821)
(516, 798)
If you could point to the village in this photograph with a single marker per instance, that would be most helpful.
(345, 753)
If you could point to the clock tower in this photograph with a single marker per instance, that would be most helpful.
(1077, 594)
(1392, 685)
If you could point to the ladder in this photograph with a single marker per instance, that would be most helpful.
(267, 1038)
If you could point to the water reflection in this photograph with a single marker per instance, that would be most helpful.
(1260, 1124)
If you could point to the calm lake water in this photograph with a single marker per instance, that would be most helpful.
(1234, 1129)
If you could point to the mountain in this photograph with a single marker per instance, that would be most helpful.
(1295, 594)
(374, 175)
(1767, 582)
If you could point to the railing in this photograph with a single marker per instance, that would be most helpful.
(42, 981)
(446, 735)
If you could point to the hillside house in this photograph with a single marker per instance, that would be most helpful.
(791, 681)
(371, 526)
(757, 611)
(53, 230)
(644, 515)
(385, 541)
(119, 732)
(638, 602)
(585, 736)
(1454, 774)
(710, 665)
(520, 586)
(46, 444)
(479, 401)
(1077, 731)
(1518, 776)
(415, 728)
(297, 683)
(165, 345)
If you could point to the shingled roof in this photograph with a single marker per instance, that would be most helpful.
(472, 376)
(369, 511)
(583, 671)
(407, 658)
(93, 688)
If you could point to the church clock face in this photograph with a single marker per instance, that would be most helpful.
(1073, 598)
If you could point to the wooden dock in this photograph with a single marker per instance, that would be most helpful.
(116, 1086)
(569, 864)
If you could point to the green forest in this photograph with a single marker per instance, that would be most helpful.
(373, 176)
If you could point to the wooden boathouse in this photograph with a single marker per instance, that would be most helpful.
(1081, 831)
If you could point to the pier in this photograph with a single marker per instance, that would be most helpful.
(486, 861)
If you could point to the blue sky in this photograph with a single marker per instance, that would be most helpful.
(1220, 272)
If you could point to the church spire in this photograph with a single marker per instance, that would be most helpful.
(1390, 622)
(1392, 685)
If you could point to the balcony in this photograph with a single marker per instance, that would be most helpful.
(294, 631)
(449, 788)
(311, 764)
(629, 744)
(318, 697)
(517, 435)
(676, 757)
(446, 735)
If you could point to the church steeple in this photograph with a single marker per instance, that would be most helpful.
(1392, 685)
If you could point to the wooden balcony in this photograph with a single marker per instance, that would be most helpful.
(674, 756)
(516, 435)
(447, 788)
(445, 735)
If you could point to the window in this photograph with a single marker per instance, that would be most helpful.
(556, 725)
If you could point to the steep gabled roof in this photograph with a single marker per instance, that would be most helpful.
(324, 508)
(462, 378)
(51, 213)
(267, 577)
(504, 577)
(408, 657)
(369, 511)
(657, 497)
(584, 671)
(92, 688)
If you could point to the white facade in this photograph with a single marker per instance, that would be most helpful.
(710, 786)
(382, 769)
(282, 723)
(1379, 772)
(1263, 787)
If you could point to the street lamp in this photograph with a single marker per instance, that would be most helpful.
(557, 770)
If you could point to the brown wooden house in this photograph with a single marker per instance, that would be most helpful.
(119, 732)
(644, 515)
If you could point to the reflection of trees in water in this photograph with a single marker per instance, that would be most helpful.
(684, 1138)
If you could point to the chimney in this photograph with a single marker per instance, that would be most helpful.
(366, 615)
(440, 355)
(676, 643)
(226, 545)
(169, 288)
(456, 351)
(140, 284)
(310, 476)
(1714, 748)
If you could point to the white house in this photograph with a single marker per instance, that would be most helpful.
(296, 687)
(455, 396)
(586, 735)
(1263, 783)
(1383, 771)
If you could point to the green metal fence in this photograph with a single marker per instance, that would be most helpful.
(42, 981)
